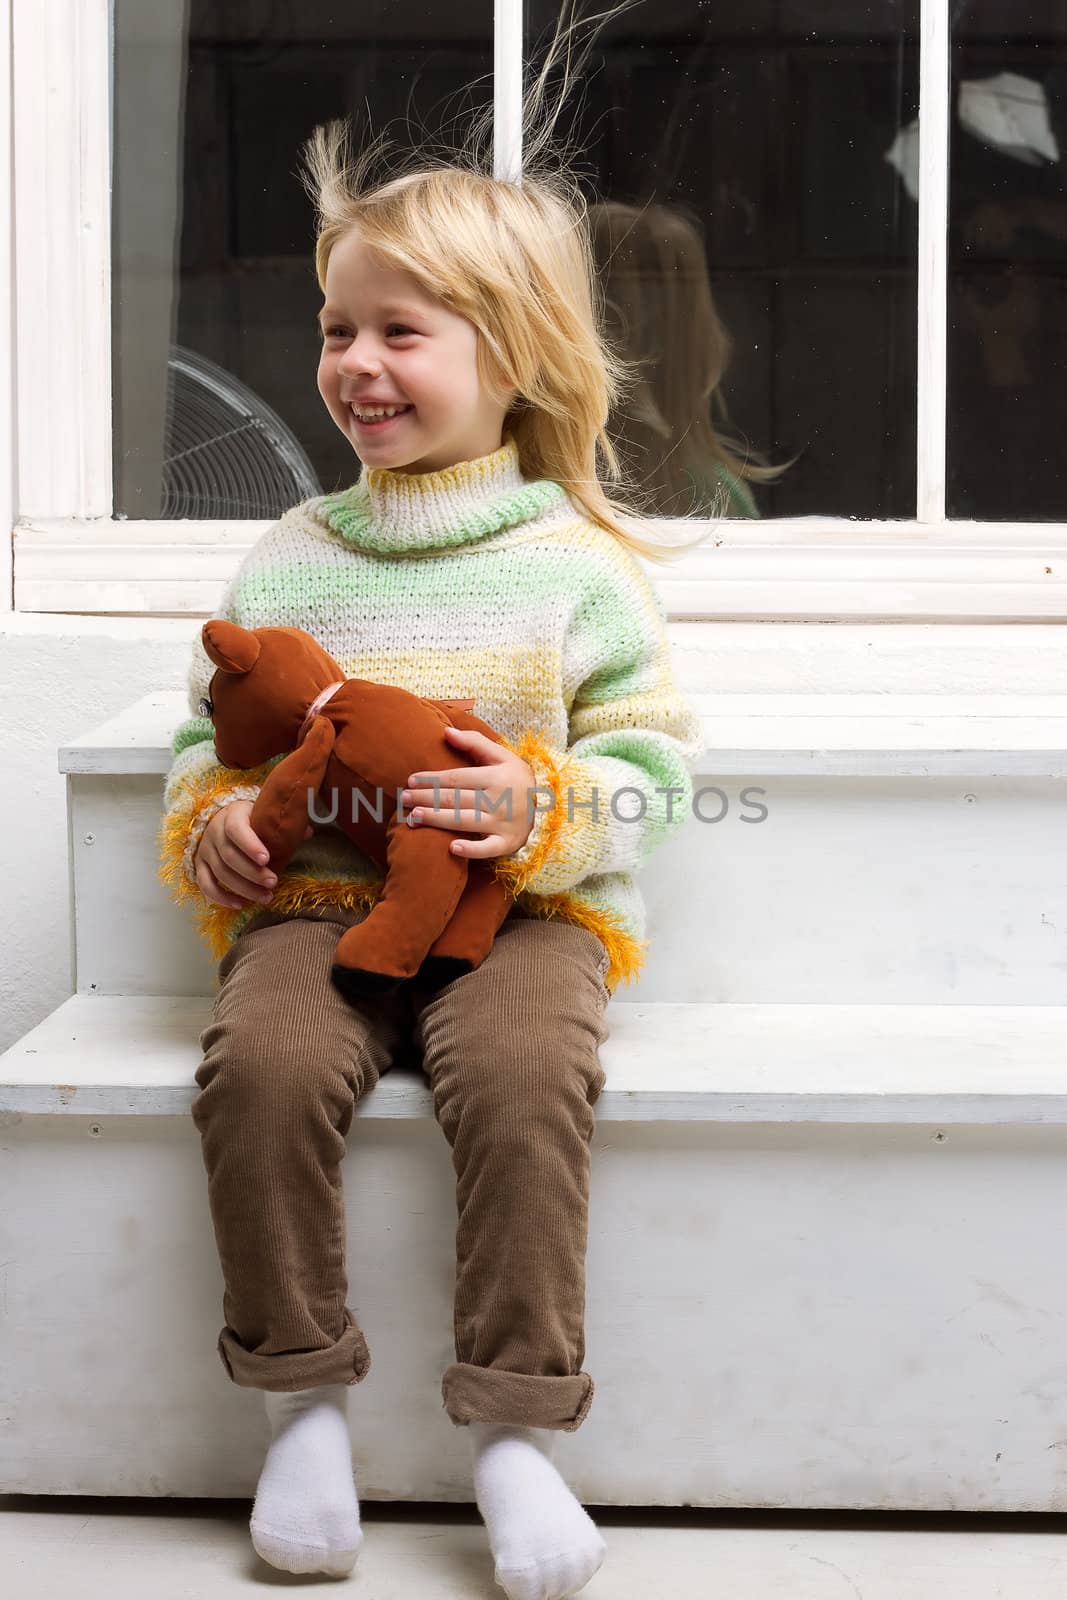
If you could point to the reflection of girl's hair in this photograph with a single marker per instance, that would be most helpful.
(654, 275)
(515, 258)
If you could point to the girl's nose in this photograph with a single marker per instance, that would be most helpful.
(347, 375)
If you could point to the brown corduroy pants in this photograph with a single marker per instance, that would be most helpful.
(510, 1052)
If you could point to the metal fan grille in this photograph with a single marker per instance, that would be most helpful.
(227, 453)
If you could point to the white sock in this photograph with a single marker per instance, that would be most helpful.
(306, 1512)
(544, 1542)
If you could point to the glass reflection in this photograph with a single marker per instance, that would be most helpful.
(660, 313)
(765, 154)
(216, 411)
(750, 205)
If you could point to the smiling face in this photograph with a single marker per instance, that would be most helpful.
(387, 342)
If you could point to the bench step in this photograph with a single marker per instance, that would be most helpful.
(136, 1055)
(748, 735)
(818, 1315)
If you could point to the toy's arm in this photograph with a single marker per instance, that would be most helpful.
(282, 812)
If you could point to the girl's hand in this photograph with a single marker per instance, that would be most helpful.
(231, 861)
(499, 773)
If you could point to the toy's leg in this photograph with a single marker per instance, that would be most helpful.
(468, 937)
(423, 883)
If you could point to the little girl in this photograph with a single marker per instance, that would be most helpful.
(476, 555)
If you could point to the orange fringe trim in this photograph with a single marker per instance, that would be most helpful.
(174, 829)
(218, 926)
(626, 955)
(534, 749)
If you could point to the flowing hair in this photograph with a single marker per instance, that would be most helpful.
(659, 304)
(515, 256)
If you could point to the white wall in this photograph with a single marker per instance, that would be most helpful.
(60, 677)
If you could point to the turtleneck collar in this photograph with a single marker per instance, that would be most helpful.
(394, 512)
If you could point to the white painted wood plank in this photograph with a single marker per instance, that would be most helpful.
(939, 890)
(508, 49)
(8, 443)
(136, 1055)
(89, 560)
(859, 572)
(870, 1317)
(62, 151)
(747, 735)
(766, 598)
(843, 536)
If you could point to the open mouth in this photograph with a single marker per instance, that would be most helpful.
(379, 422)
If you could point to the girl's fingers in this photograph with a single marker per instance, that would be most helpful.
(230, 868)
(213, 889)
(446, 818)
(444, 799)
(247, 888)
(245, 843)
(243, 873)
(241, 846)
(484, 849)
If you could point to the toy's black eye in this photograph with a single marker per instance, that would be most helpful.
(206, 707)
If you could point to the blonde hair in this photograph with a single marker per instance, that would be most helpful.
(516, 259)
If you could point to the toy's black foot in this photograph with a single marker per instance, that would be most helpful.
(355, 984)
(438, 970)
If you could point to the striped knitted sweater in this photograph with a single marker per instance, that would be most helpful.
(470, 581)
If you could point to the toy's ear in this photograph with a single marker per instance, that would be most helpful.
(230, 646)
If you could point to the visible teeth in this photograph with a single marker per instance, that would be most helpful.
(369, 416)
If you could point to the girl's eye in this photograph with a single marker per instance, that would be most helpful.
(399, 327)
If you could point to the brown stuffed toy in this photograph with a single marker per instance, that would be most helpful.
(352, 745)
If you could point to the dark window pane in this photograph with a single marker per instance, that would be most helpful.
(1007, 289)
(778, 245)
(216, 409)
(752, 174)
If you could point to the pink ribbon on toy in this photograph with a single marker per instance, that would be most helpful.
(316, 706)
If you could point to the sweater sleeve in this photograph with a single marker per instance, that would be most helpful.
(623, 784)
(197, 784)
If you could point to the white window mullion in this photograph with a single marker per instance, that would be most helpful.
(934, 120)
(7, 328)
(507, 90)
(62, 132)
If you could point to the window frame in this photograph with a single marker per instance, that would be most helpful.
(70, 554)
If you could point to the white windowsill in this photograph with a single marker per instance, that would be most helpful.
(805, 569)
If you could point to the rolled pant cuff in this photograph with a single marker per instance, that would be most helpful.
(346, 1361)
(488, 1394)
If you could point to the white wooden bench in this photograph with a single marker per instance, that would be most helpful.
(825, 1243)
